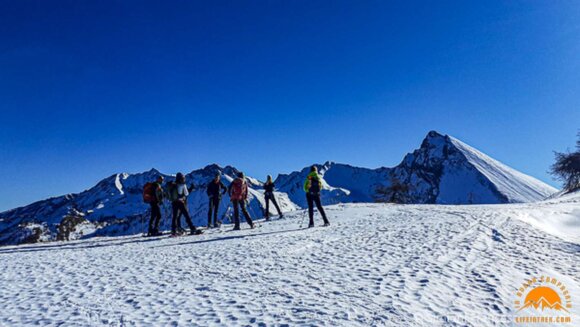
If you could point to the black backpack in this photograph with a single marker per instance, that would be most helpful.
(315, 186)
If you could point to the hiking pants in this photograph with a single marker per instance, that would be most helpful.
(214, 204)
(242, 204)
(270, 197)
(314, 198)
(179, 208)
(155, 217)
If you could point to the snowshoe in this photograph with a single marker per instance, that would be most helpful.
(154, 233)
(326, 224)
(196, 232)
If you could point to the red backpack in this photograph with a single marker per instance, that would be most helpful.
(149, 193)
(239, 189)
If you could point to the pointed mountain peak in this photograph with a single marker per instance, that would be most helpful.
(153, 171)
(434, 139)
(212, 167)
(434, 134)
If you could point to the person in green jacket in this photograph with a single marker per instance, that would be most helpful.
(312, 187)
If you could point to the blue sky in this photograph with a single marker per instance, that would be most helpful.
(91, 88)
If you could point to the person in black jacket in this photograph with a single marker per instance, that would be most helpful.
(215, 190)
(269, 196)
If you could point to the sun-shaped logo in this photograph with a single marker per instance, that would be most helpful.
(543, 297)
(546, 296)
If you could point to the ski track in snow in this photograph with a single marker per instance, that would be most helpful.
(376, 265)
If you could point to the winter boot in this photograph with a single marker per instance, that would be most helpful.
(195, 231)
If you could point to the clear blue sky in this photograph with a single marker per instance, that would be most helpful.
(91, 88)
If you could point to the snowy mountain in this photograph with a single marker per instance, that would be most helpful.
(341, 183)
(115, 207)
(443, 170)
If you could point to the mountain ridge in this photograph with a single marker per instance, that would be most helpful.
(443, 170)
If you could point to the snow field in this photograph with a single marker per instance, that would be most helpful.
(377, 264)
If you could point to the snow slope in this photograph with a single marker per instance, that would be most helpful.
(565, 224)
(516, 186)
(376, 265)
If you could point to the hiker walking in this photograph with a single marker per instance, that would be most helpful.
(215, 190)
(153, 194)
(312, 187)
(269, 196)
(238, 192)
(179, 193)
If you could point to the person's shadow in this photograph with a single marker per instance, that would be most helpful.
(108, 242)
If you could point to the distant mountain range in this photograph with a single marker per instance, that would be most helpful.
(443, 170)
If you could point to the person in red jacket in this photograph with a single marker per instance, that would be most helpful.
(153, 194)
(238, 192)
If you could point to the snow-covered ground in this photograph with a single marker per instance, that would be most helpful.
(378, 264)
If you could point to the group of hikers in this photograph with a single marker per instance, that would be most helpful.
(177, 192)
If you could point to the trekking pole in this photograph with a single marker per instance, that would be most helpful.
(166, 211)
(251, 210)
(143, 225)
(226, 214)
(303, 216)
(221, 221)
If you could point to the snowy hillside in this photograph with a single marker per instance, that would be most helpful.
(376, 265)
(443, 171)
(514, 185)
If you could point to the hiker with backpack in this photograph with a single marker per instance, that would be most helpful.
(238, 192)
(312, 187)
(178, 193)
(153, 194)
(215, 190)
(269, 196)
